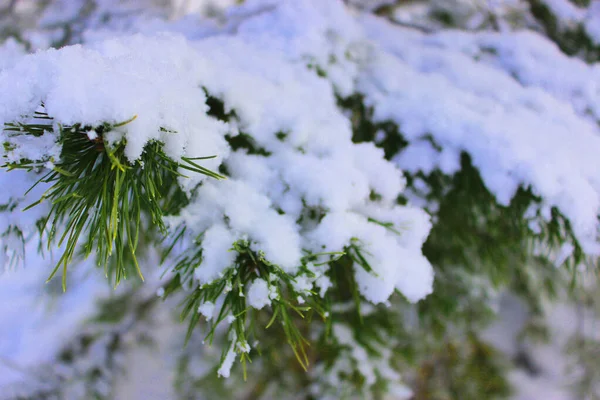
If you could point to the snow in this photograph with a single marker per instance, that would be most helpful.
(568, 15)
(315, 165)
(248, 213)
(344, 336)
(592, 22)
(528, 132)
(10, 52)
(38, 319)
(353, 358)
(227, 363)
(258, 294)
(216, 256)
(564, 10)
(393, 265)
(302, 285)
(207, 309)
(323, 283)
(525, 113)
(150, 79)
(555, 375)
(17, 227)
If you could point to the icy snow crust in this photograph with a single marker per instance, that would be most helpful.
(505, 107)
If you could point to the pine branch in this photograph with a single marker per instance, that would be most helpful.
(229, 291)
(99, 200)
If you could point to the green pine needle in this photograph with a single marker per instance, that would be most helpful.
(99, 200)
(229, 291)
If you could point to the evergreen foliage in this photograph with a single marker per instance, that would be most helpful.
(246, 317)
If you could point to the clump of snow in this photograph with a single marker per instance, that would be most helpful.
(394, 265)
(154, 80)
(227, 363)
(248, 213)
(592, 22)
(207, 310)
(216, 256)
(317, 279)
(10, 52)
(258, 294)
(323, 282)
(564, 10)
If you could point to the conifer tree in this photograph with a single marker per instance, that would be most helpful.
(298, 198)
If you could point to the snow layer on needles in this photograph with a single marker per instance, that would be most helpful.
(248, 214)
(528, 132)
(532, 60)
(311, 165)
(568, 15)
(537, 132)
(526, 113)
(154, 80)
(308, 31)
